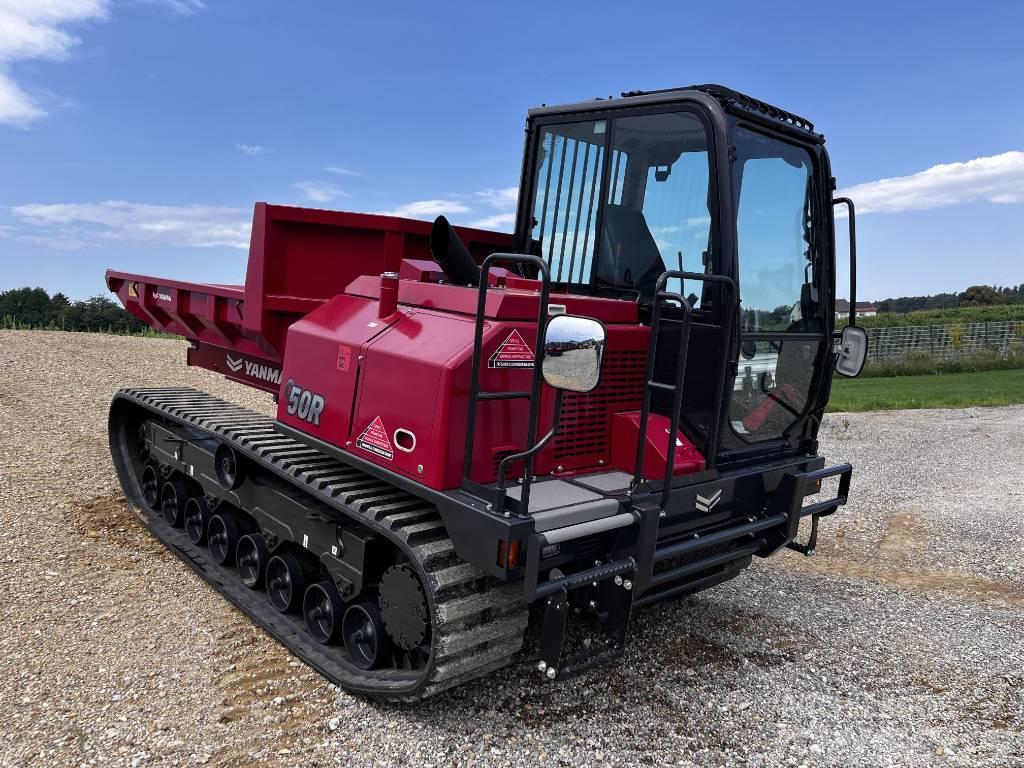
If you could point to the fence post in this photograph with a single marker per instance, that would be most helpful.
(931, 340)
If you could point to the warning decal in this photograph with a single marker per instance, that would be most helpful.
(512, 353)
(375, 440)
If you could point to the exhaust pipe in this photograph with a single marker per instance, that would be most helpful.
(452, 255)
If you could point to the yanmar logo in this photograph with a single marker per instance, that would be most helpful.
(268, 373)
(161, 296)
(707, 503)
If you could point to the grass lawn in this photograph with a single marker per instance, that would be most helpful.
(949, 390)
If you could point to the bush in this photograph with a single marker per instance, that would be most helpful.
(979, 314)
(924, 364)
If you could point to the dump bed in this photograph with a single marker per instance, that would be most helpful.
(298, 258)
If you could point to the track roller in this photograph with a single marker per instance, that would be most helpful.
(286, 582)
(222, 535)
(140, 442)
(364, 636)
(323, 609)
(251, 556)
(228, 467)
(151, 487)
(173, 496)
(197, 517)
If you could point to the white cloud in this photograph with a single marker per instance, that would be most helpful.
(501, 222)
(340, 171)
(320, 192)
(37, 29)
(34, 29)
(5, 230)
(70, 225)
(506, 197)
(428, 209)
(252, 149)
(995, 179)
(182, 7)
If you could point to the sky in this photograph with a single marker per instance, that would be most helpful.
(137, 134)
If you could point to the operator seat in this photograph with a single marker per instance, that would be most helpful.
(629, 255)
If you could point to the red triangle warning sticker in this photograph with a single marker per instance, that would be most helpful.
(512, 353)
(375, 440)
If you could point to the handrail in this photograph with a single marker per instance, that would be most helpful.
(852, 218)
(660, 294)
(533, 395)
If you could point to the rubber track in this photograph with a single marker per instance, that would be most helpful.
(478, 623)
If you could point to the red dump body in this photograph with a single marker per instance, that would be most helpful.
(389, 383)
(298, 258)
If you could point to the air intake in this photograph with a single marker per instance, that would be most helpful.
(584, 439)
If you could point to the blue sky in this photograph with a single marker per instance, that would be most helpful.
(138, 134)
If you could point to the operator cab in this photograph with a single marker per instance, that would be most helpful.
(617, 192)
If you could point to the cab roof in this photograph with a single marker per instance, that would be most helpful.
(729, 99)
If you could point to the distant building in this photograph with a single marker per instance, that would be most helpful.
(864, 308)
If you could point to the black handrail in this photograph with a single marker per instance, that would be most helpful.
(852, 218)
(660, 295)
(533, 395)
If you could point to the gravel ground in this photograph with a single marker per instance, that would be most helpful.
(900, 644)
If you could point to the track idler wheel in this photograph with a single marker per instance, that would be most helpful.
(197, 517)
(403, 606)
(173, 497)
(323, 609)
(228, 467)
(363, 633)
(222, 535)
(286, 582)
(151, 487)
(251, 557)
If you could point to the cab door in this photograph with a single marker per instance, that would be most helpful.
(783, 327)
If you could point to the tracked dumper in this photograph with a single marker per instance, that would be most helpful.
(615, 405)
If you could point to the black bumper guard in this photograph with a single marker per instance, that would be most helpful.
(622, 583)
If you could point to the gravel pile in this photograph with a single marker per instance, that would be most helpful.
(900, 644)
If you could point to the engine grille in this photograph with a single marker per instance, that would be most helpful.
(585, 436)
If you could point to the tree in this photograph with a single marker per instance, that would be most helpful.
(980, 295)
(59, 305)
(26, 306)
(33, 308)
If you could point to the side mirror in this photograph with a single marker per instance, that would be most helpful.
(853, 351)
(573, 349)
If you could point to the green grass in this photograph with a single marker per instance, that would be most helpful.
(949, 390)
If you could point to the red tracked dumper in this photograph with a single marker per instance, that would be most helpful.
(582, 415)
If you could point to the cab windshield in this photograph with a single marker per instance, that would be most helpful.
(652, 172)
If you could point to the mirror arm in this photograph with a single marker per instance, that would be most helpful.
(852, 219)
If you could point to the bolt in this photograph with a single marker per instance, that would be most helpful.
(419, 468)
(542, 665)
(593, 605)
(560, 468)
(627, 585)
(551, 673)
(618, 581)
